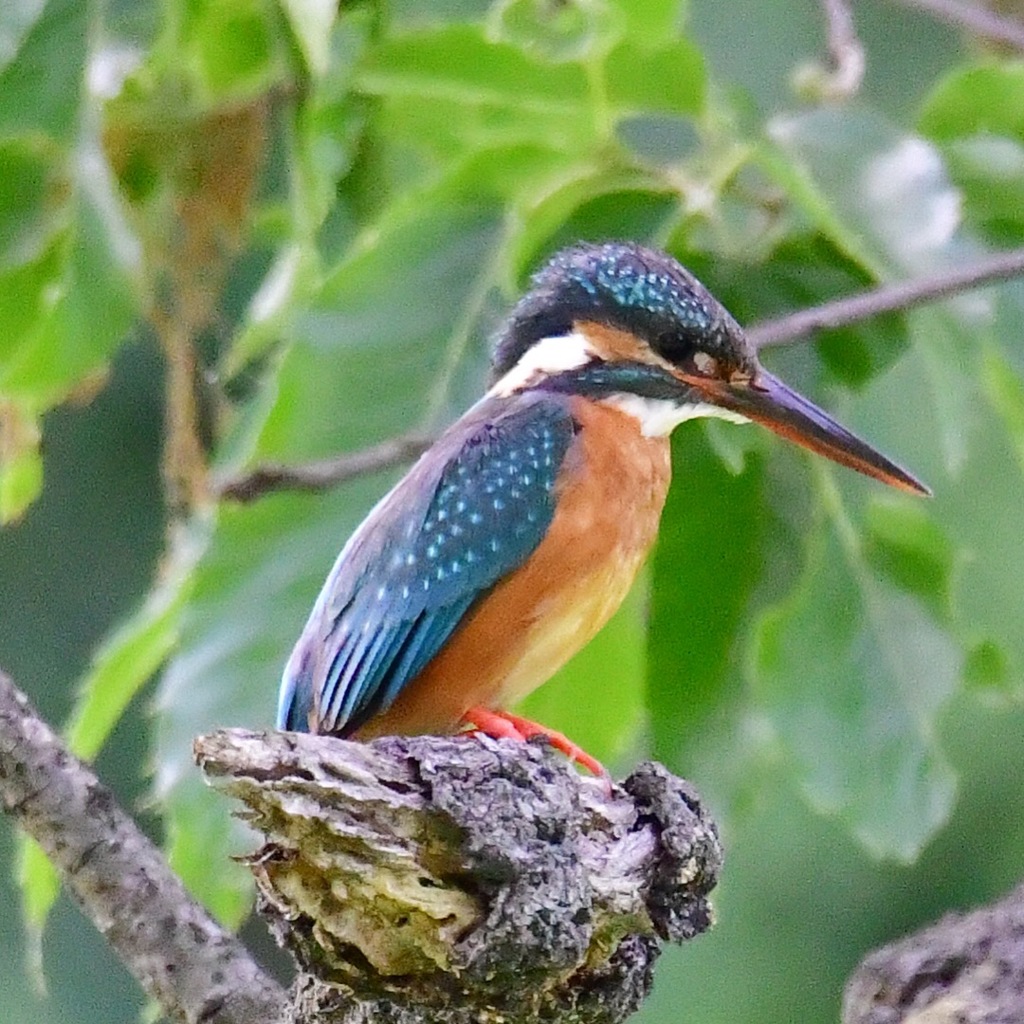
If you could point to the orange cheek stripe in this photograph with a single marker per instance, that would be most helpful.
(614, 345)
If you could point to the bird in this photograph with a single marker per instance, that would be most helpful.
(519, 532)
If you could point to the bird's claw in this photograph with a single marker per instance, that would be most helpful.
(502, 725)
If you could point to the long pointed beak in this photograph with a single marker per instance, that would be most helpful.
(770, 402)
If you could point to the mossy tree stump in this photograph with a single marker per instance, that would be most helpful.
(465, 879)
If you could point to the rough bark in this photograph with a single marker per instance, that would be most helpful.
(180, 956)
(965, 969)
(465, 879)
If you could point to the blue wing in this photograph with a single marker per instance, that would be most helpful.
(469, 512)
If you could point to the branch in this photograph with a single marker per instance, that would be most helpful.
(846, 51)
(184, 460)
(324, 473)
(887, 299)
(181, 957)
(461, 879)
(967, 968)
(974, 19)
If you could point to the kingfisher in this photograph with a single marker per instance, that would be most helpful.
(514, 538)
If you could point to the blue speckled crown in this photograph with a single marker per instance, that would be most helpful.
(623, 285)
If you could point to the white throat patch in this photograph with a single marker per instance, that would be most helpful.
(658, 417)
(546, 357)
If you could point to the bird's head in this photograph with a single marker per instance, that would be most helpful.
(628, 325)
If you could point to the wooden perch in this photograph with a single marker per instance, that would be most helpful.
(465, 879)
(965, 969)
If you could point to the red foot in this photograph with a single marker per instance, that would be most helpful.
(505, 726)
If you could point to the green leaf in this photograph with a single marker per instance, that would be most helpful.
(42, 86)
(33, 205)
(458, 62)
(587, 203)
(970, 507)
(1005, 392)
(21, 466)
(985, 100)
(28, 292)
(975, 114)
(312, 21)
(597, 699)
(672, 80)
(328, 127)
(707, 562)
(809, 270)
(124, 663)
(454, 89)
(630, 212)
(885, 198)
(988, 597)
(201, 846)
(444, 130)
(904, 544)
(941, 342)
(455, 95)
(21, 482)
(235, 47)
(651, 22)
(128, 659)
(659, 140)
(517, 173)
(573, 31)
(990, 170)
(853, 674)
(373, 356)
(233, 631)
(40, 887)
(95, 303)
(881, 194)
(987, 674)
(16, 19)
(270, 309)
(720, 731)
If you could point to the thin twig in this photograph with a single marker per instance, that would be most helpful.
(886, 299)
(974, 19)
(183, 959)
(324, 473)
(184, 461)
(841, 77)
(845, 49)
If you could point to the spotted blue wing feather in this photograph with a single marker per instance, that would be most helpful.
(469, 512)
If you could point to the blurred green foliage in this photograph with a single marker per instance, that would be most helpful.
(333, 208)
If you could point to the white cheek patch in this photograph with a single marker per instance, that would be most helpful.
(659, 417)
(546, 358)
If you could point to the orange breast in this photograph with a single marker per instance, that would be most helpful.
(610, 496)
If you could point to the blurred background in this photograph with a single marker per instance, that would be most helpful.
(302, 203)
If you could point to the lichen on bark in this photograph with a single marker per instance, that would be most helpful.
(465, 879)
